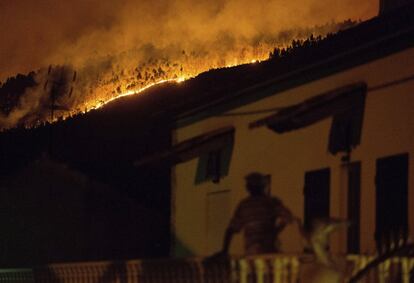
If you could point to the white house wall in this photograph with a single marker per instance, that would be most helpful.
(388, 129)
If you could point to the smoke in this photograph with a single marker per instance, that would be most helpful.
(38, 33)
(28, 103)
(125, 44)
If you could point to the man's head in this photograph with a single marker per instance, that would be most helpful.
(255, 183)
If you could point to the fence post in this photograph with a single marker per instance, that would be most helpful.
(259, 265)
(235, 271)
(384, 269)
(244, 270)
(294, 269)
(277, 270)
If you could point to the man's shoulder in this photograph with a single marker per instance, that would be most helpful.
(245, 201)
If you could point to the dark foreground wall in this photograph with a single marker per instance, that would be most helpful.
(51, 213)
(70, 192)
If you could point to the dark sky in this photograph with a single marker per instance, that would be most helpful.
(37, 33)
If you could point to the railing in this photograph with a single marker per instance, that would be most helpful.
(16, 275)
(260, 269)
(395, 269)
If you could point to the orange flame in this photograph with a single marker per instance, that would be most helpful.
(171, 77)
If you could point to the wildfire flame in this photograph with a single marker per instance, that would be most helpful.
(102, 103)
(102, 80)
(137, 91)
(102, 98)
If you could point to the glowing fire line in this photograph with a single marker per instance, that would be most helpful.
(137, 91)
(97, 104)
(140, 90)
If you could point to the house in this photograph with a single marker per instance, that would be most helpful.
(331, 125)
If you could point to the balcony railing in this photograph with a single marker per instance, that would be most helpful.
(258, 269)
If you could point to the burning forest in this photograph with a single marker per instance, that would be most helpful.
(61, 91)
(87, 72)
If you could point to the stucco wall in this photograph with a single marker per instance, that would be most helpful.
(388, 129)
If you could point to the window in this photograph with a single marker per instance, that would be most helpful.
(354, 196)
(346, 126)
(215, 164)
(316, 191)
(391, 201)
(346, 106)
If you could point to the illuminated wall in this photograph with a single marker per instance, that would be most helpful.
(387, 130)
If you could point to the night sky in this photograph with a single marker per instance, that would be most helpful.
(35, 34)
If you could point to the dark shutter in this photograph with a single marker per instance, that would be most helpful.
(215, 164)
(317, 184)
(346, 127)
(391, 201)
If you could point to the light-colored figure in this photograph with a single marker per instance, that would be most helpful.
(324, 269)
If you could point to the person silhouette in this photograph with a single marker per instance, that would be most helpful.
(261, 217)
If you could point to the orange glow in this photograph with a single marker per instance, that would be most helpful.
(105, 93)
(137, 91)
(133, 72)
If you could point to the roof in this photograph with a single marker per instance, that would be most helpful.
(190, 148)
(313, 109)
(345, 105)
(234, 87)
